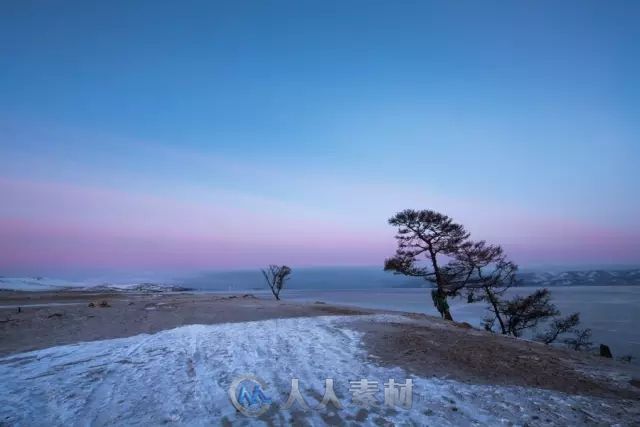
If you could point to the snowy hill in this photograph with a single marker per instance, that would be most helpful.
(137, 287)
(36, 284)
(581, 278)
(49, 284)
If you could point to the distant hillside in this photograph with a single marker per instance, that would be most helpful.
(581, 278)
(49, 284)
(375, 278)
(542, 279)
(317, 278)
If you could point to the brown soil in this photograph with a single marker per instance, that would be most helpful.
(129, 314)
(432, 347)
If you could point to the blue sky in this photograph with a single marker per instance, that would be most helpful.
(164, 134)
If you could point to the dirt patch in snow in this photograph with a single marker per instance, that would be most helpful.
(39, 324)
(430, 347)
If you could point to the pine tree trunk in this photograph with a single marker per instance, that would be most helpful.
(496, 310)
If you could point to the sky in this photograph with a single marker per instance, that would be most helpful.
(193, 135)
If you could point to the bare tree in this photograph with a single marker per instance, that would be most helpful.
(491, 275)
(527, 312)
(433, 247)
(486, 274)
(276, 275)
(521, 313)
(558, 327)
(424, 236)
(580, 341)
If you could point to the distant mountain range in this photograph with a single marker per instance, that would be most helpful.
(318, 278)
(375, 278)
(48, 284)
(581, 278)
(136, 287)
(548, 279)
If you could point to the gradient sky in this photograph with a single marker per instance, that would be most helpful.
(159, 136)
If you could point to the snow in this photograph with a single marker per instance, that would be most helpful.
(35, 284)
(181, 377)
(141, 287)
(49, 284)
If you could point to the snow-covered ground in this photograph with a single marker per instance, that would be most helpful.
(182, 377)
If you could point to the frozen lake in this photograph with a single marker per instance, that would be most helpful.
(612, 312)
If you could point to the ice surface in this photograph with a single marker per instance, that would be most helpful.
(181, 377)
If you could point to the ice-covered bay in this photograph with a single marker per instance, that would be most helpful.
(182, 376)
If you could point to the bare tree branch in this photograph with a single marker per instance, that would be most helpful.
(276, 276)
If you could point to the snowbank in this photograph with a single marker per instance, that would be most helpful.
(182, 376)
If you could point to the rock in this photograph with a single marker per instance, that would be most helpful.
(55, 315)
(102, 303)
(605, 351)
(635, 382)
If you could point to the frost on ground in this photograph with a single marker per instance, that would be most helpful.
(182, 377)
